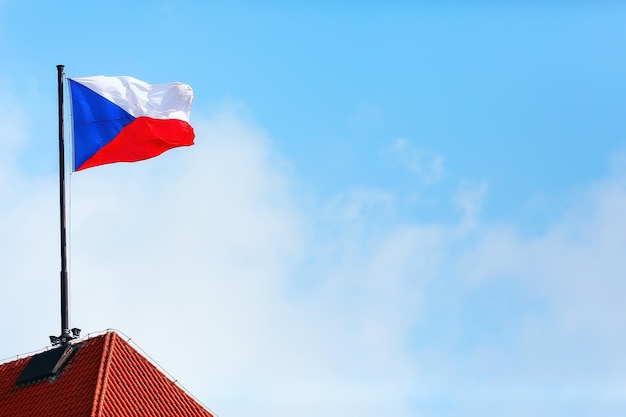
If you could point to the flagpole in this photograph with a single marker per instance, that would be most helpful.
(65, 290)
(66, 334)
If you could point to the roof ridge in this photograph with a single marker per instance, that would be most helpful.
(103, 373)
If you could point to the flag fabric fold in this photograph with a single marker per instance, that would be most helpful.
(123, 119)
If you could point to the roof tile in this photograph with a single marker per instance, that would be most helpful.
(106, 377)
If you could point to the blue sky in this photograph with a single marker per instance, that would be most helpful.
(392, 208)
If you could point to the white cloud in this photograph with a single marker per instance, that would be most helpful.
(14, 133)
(567, 337)
(261, 306)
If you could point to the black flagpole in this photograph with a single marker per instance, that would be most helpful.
(66, 334)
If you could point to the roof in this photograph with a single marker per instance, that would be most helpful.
(104, 377)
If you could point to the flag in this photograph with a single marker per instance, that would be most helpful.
(123, 119)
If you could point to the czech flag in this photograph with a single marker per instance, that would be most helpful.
(123, 119)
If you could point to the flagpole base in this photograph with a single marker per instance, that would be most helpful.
(65, 338)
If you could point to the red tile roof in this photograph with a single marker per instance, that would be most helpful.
(106, 377)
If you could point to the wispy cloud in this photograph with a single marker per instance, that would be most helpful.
(469, 197)
(427, 166)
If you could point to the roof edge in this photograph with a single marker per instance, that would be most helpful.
(103, 373)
